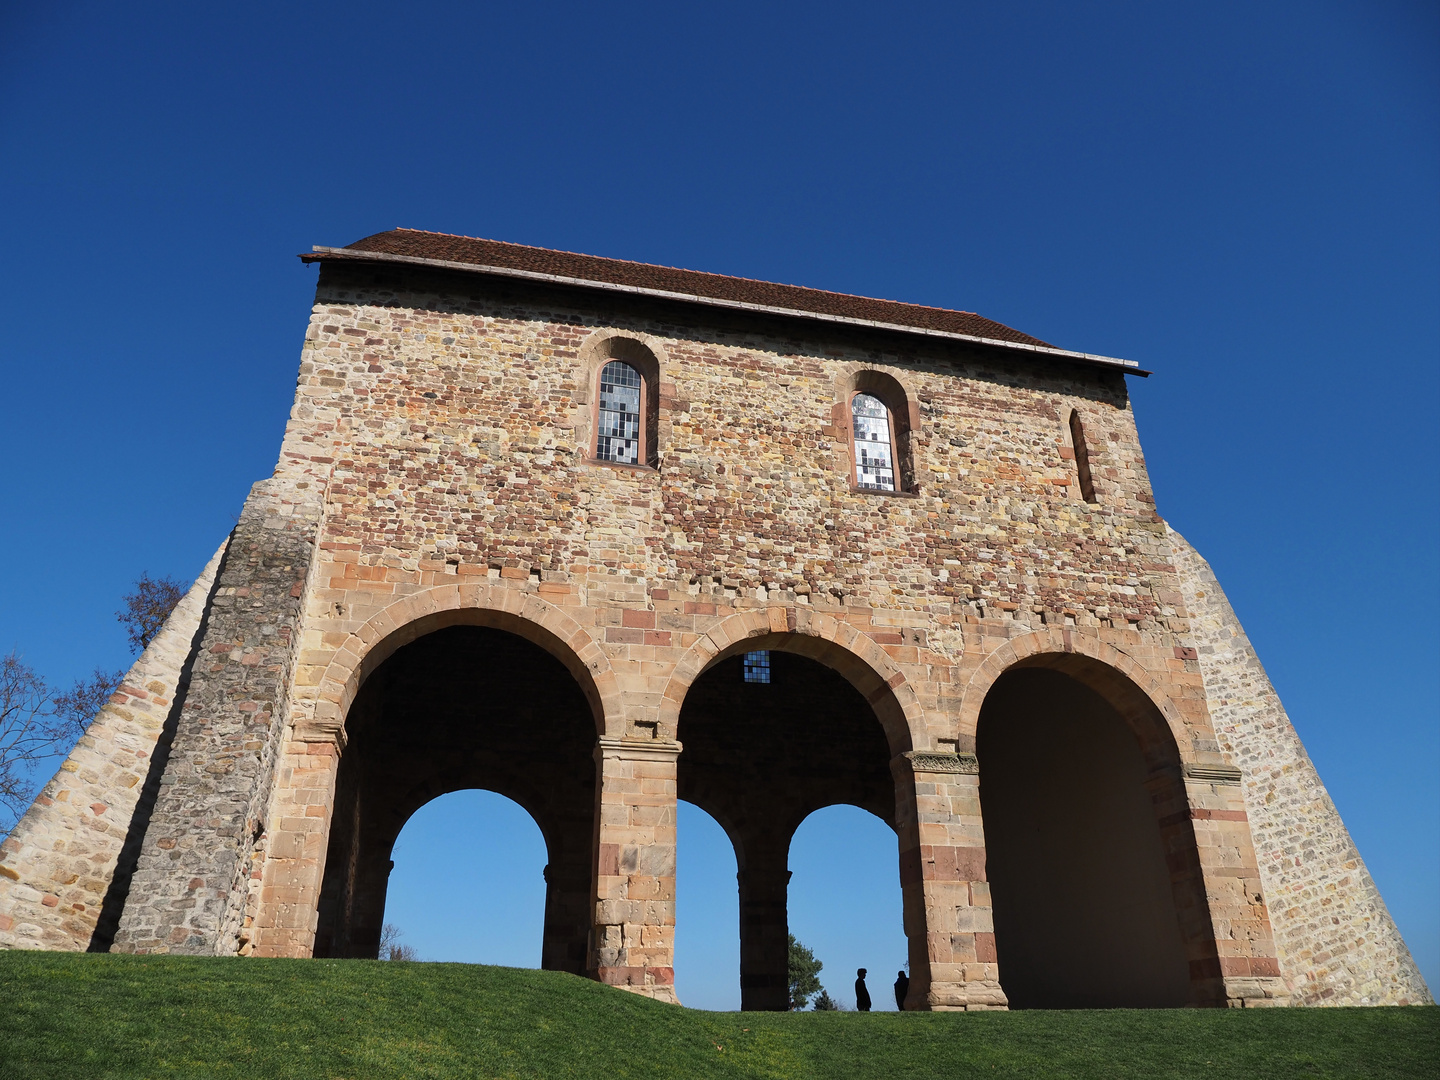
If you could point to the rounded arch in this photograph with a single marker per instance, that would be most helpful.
(904, 406)
(646, 354)
(444, 897)
(835, 644)
(496, 606)
(1128, 686)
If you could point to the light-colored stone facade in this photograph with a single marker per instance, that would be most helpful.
(58, 867)
(1333, 934)
(436, 474)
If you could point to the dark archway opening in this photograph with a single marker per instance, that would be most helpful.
(463, 707)
(759, 757)
(1084, 905)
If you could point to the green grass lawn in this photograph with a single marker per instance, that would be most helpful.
(87, 1017)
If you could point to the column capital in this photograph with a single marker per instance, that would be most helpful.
(934, 761)
(637, 749)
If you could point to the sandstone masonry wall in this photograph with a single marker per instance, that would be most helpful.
(446, 420)
(435, 471)
(1336, 941)
(59, 887)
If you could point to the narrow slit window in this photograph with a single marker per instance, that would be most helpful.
(757, 666)
(874, 447)
(618, 428)
(1082, 458)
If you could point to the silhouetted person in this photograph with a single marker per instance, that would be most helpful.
(862, 996)
(902, 987)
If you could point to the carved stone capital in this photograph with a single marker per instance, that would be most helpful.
(931, 761)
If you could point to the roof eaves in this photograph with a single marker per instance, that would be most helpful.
(1129, 367)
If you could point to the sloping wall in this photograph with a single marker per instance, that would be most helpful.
(58, 883)
(1336, 941)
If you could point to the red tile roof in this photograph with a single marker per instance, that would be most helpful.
(466, 249)
(413, 245)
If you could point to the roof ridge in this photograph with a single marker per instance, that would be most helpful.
(681, 269)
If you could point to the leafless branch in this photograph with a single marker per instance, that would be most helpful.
(30, 730)
(147, 608)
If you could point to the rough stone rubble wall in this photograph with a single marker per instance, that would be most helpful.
(58, 882)
(199, 864)
(1336, 941)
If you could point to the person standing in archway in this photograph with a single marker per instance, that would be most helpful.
(862, 995)
(902, 987)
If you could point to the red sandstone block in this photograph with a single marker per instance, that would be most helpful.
(658, 637)
(609, 862)
(643, 620)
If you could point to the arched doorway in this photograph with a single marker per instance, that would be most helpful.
(481, 904)
(462, 707)
(770, 736)
(707, 950)
(1088, 883)
(845, 901)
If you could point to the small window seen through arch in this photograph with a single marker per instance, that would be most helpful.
(757, 666)
(874, 443)
(619, 433)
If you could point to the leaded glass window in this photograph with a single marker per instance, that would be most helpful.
(874, 452)
(618, 428)
(757, 666)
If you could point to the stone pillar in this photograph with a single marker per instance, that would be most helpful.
(764, 925)
(1228, 941)
(207, 834)
(948, 917)
(633, 935)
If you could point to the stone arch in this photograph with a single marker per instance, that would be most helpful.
(647, 355)
(1180, 957)
(500, 607)
(1131, 688)
(904, 405)
(823, 638)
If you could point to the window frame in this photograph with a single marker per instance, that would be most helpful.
(643, 457)
(894, 447)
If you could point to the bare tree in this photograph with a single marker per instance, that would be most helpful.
(78, 705)
(390, 947)
(30, 730)
(147, 608)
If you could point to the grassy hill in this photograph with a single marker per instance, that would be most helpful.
(89, 1017)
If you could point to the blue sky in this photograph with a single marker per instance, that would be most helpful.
(1241, 197)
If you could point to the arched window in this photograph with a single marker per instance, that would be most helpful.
(874, 439)
(619, 430)
(1082, 458)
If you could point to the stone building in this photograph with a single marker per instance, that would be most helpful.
(599, 536)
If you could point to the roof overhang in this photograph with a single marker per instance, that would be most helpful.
(1110, 363)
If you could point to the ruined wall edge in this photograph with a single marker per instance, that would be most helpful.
(1336, 941)
(58, 866)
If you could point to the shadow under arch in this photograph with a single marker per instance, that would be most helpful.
(499, 607)
(462, 706)
(1094, 870)
(827, 641)
(760, 757)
